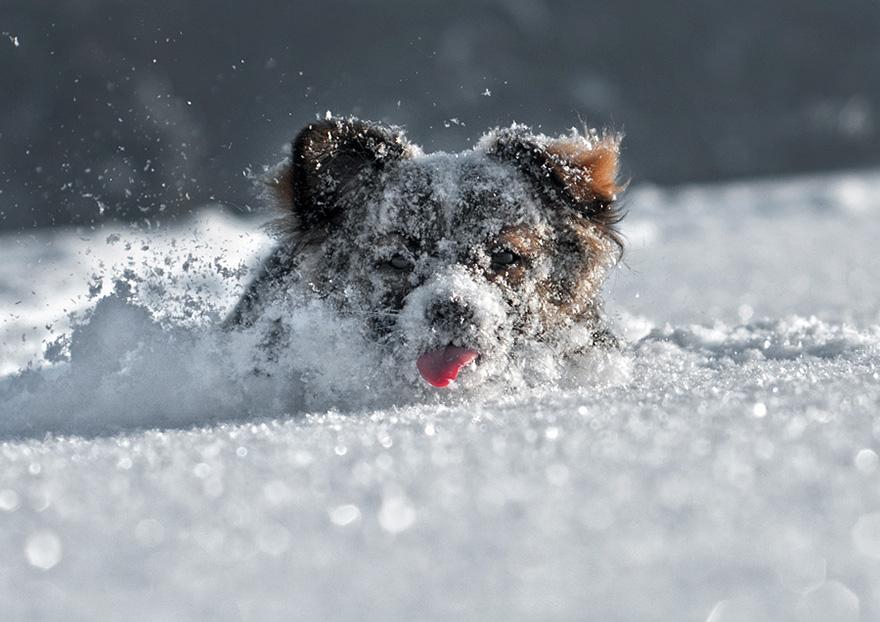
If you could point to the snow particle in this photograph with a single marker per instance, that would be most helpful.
(213, 487)
(9, 500)
(557, 474)
(745, 313)
(866, 461)
(43, 549)
(149, 532)
(384, 462)
(743, 609)
(40, 501)
(241, 452)
(854, 196)
(759, 410)
(764, 449)
(273, 540)
(832, 601)
(866, 535)
(343, 515)
(303, 458)
(396, 514)
(596, 516)
(802, 572)
(202, 470)
(277, 493)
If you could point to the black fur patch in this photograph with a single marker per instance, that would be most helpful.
(333, 162)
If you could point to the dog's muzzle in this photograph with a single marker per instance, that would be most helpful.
(449, 322)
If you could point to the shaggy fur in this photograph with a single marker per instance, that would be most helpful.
(487, 249)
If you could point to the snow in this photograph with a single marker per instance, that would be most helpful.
(723, 467)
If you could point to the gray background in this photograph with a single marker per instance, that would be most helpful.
(147, 110)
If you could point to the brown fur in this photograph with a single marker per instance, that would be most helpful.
(589, 173)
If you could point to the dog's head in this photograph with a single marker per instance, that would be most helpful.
(453, 260)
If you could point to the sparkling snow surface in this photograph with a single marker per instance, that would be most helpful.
(723, 468)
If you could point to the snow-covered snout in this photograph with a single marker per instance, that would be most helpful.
(458, 264)
(452, 320)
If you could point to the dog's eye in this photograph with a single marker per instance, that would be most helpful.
(503, 258)
(399, 262)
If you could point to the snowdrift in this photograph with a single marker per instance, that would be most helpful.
(722, 467)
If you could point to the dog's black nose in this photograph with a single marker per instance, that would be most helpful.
(449, 313)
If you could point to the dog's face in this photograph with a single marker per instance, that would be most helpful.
(454, 261)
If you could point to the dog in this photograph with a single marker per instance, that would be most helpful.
(456, 264)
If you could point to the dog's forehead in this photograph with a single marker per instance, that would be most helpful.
(445, 193)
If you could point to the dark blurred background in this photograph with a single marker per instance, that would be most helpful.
(147, 110)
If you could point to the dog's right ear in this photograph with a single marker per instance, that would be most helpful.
(578, 170)
(332, 163)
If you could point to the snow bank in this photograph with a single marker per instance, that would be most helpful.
(122, 368)
(723, 467)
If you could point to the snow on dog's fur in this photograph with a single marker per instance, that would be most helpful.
(454, 262)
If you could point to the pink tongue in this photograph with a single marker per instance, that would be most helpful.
(440, 367)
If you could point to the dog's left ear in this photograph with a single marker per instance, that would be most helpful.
(332, 163)
(577, 170)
